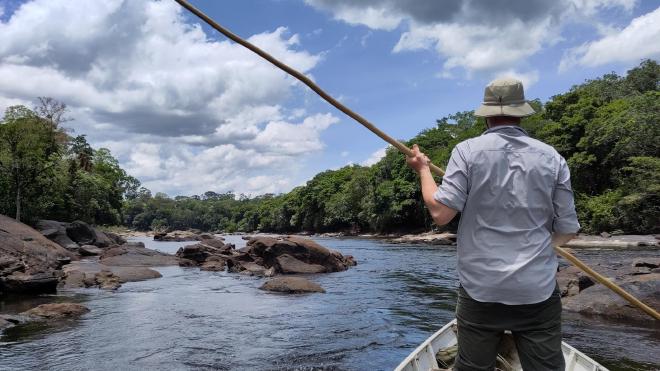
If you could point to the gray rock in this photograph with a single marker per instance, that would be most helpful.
(81, 233)
(291, 285)
(56, 232)
(89, 250)
(288, 264)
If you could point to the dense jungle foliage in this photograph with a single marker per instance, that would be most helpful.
(606, 128)
(45, 173)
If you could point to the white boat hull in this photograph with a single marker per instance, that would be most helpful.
(430, 354)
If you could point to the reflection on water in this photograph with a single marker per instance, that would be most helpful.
(371, 317)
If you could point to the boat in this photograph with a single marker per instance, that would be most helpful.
(438, 352)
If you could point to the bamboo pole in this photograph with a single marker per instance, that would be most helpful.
(398, 145)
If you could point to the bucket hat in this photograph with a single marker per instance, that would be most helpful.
(504, 97)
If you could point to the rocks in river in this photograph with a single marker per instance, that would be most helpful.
(56, 311)
(178, 236)
(429, 238)
(265, 256)
(266, 251)
(29, 262)
(291, 285)
(582, 295)
(134, 254)
(94, 274)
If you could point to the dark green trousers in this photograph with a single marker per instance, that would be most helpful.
(536, 330)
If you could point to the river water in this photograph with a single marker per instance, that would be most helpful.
(371, 317)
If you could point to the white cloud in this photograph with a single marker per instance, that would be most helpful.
(183, 112)
(528, 78)
(375, 157)
(639, 40)
(482, 37)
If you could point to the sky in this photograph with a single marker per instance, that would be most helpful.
(186, 111)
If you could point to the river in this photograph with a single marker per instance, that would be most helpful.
(371, 317)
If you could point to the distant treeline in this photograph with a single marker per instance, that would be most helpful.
(607, 129)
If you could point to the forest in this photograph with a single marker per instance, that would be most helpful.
(607, 129)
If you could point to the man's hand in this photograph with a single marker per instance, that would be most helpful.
(440, 213)
(418, 161)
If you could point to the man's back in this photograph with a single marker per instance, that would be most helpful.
(513, 191)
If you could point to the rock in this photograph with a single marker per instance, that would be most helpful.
(81, 233)
(648, 262)
(24, 283)
(266, 250)
(134, 254)
(56, 311)
(605, 235)
(102, 239)
(178, 236)
(95, 274)
(56, 232)
(601, 301)
(187, 263)
(214, 266)
(5, 324)
(572, 281)
(288, 264)
(115, 238)
(30, 261)
(89, 250)
(74, 279)
(291, 285)
(106, 280)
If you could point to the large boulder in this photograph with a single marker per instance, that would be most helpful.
(178, 236)
(102, 239)
(134, 254)
(29, 262)
(82, 274)
(81, 233)
(56, 232)
(601, 301)
(302, 253)
(291, 285)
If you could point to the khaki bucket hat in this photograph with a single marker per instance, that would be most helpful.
(504, 97)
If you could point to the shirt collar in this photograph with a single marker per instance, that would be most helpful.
(510, 128)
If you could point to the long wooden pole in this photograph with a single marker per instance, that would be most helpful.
(402, 148)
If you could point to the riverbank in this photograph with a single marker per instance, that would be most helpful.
(430, 238)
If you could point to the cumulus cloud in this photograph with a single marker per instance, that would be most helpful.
(183, 111)
(638, 40)
(485, 37)
(375, 157)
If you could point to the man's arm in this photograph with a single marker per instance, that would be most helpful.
(440, 213)
(559, 239)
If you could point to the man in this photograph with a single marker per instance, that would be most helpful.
(516, 202)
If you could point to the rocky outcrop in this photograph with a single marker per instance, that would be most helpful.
(429, 238)
(89, 250)
(293, 254)
(56, 232)
(29, 262)
(265, 256)
(73, 235)
(178, 236)
(43, 313)
(582, 295)
(85, 274)
(56, 311)
(134, 254)
(291, 285)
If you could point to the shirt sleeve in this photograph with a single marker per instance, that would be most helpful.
(454, 188)
(565, 218)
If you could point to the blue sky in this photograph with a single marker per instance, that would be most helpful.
(185, 111)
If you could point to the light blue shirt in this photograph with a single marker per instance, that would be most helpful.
(513, 191)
